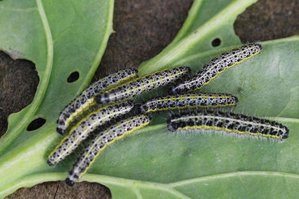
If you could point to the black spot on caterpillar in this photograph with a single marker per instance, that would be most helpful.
(102, 140)
(86, 98)
(227, 122)
(200, 100)
(216, 66)
(143, 84)
(80, 132)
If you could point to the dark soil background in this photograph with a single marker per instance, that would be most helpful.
(143, 28)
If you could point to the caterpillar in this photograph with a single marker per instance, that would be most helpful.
(85, 99)
(228, 122)
(82, 130)
(140, 85)
(101, 141)
(200, 100)
(216, 66)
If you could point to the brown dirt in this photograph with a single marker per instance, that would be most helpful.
(143, 28)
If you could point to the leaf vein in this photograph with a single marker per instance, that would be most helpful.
(233, 174)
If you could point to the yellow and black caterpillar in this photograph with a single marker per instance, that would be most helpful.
(102, 140)
(216, 66)
(143, 84)
(186, 101)
(227, 122)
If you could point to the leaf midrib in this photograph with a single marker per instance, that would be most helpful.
(167, 187)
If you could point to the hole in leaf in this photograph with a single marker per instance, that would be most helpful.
(18, 83)
(36, 124)
(74, 76)
(216, 42)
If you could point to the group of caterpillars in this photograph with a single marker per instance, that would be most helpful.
(106, 112)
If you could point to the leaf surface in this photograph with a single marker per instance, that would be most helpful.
(59, 38)
(155, 163)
